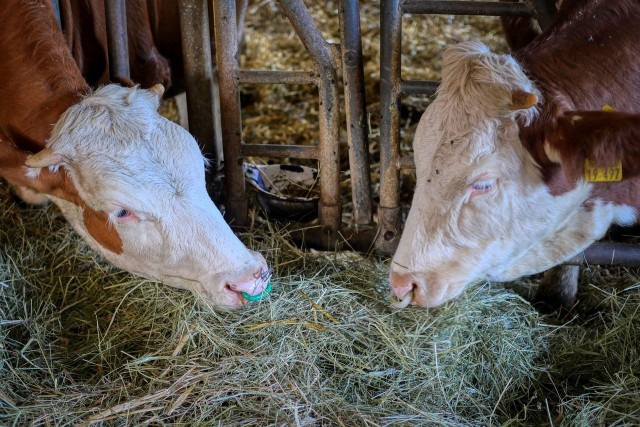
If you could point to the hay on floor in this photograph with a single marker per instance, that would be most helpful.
(82, 342)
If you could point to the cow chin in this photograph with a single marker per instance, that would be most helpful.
(427, 290)
(217, 286)
(437, 294)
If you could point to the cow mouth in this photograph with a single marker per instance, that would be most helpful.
(259, 296)
(264, 276)
(401, 303)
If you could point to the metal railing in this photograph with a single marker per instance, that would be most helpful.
(194, 16)
(327, 60)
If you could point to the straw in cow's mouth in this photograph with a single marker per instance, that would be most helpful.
(401, 303)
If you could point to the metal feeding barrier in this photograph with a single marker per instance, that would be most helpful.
(230, 150)
(327, 60)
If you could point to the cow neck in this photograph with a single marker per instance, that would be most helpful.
(40, 77)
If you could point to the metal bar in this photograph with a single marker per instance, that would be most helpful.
(56, 12)
(419, 87)
(274, 150)
(277, 77)
(117, 44)
(226, 39)
(353, 77)
(466, 8)
(330, 207)
(606, 253)
(196, 48)
(545, 12)
(390, 51)
(347, 239)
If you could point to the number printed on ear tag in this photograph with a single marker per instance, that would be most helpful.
(607, 174)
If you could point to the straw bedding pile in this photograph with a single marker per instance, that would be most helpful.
(82, 342)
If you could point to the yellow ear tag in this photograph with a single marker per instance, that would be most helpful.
(608, 174)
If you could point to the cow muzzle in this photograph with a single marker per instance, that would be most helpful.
(251, 286)
(415, 289)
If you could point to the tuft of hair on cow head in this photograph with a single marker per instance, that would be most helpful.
(497, 83)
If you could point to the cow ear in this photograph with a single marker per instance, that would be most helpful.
(157, 90)
(604, 138)
(45, 158)
(521, 100)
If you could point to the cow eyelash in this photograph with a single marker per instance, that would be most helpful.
(485, 185)
(124, 215)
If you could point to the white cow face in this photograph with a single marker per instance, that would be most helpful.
(481, 209)
(136, 192)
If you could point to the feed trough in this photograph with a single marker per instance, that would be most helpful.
(284, 191)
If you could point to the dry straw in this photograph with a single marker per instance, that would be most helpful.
(83, 343)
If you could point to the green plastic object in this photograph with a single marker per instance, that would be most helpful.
(258, 297)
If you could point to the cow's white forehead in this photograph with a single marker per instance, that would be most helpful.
(472, 114)
(119, 147)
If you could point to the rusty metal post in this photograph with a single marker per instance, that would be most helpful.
(545, 11)
(330, 208)
(390, 79)
(226, 39)
(354, 94)
(466, 8)
(607, 253)
(117, 44)
(196, 48)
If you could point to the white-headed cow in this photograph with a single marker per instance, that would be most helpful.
(129, 181)
(504, 152)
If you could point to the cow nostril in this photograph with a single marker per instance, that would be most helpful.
(398, 303)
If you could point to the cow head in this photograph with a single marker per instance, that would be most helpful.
(481, 210)
(132, 183)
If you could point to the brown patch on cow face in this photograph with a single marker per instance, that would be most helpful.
(98, 226)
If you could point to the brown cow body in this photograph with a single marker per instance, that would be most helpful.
(39, 79)
(500, 153)
(588, 60)
(549, 59)
(85, 31)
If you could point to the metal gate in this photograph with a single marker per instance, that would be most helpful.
(365, 235)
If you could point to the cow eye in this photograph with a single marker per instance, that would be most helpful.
(122, 215)
(482, 186)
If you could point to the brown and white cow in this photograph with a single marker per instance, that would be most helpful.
(500, 154)
(129, 181)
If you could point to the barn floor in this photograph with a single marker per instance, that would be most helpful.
(82, 342)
